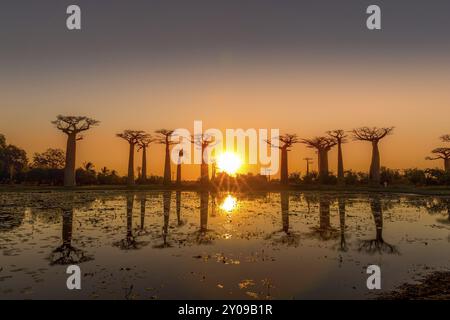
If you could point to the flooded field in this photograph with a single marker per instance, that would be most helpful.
(190, 245)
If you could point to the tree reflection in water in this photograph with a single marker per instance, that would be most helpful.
(325, 231)
(66, 253)
(285, 236)
(130, 242)
(377, 245)
(167, 198)
(341, 206)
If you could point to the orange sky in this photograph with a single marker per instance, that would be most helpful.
(296, 96)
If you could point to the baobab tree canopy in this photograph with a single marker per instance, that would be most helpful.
(133, 136)
(339, 135)
(445, 138)
(74, 124)
(286, 141)
(440, 153)
(320, 143)
(373, 134)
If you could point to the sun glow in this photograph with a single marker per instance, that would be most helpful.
(229, 163)
(229, 204)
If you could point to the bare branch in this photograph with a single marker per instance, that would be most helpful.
(133, 136)
(287, 141)
(339, 135)
(320, 143)
(440, 153)
(74, 124)
(373, 134)
(163, 136)
(445, 138)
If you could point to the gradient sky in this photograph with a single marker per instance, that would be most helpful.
(302, 66)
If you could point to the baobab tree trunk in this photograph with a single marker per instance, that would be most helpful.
(179, 174)
(341, 180)
(284, 177)
(204, 174)
(447, 165)
(204, 169)
(69, 170)
(167, 173)
(178, 206)
(130, 180)
(374, 175)
(323, 164)
(144, 164)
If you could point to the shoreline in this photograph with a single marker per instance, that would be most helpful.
(433, 286)
(431, 191)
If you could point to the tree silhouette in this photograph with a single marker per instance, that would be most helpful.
(322, 145)
(286, 141)
(445, 138)
(441, 153)
(133, 137)
(340, 137)
(72, 126)
(143, 144)
(50, 159)
(203, 141)
(15, 160)
(164, 138)
(373, 135)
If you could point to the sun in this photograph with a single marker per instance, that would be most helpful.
(229, 163)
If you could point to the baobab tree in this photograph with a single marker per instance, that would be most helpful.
(373, 135)
(72, 126)
(286, 141)
(143, 145)
(203, 141)
(445, 138)
(441, 153)
(340, 137)
(133, 137)
(164, 138)
(322, 146)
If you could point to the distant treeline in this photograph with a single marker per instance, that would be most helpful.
(47, 168)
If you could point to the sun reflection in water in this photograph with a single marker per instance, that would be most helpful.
(229, 203)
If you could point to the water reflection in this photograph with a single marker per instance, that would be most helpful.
(219, 238)
(66, 253)
(325, 231)
(377, 245)
(130, 242)
(341, 206)
(229, 204)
